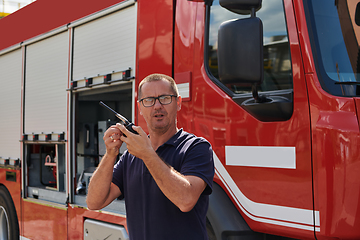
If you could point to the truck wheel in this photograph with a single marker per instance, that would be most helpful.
(9, 225)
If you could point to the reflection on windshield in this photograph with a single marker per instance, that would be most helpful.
(336, 36)
(277, 62)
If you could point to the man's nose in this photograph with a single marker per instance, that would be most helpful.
(157, 104)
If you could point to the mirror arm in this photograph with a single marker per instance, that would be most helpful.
(253, 12)
(254, 89)
(258, 98)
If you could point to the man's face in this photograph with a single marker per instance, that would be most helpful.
(159, 118)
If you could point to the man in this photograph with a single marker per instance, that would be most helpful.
(165, 177)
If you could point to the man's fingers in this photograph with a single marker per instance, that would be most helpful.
(111, 131)
(139, 130)
(115, 137)
(125, 131)
(112, 140)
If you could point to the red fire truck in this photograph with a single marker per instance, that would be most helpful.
(272, 84)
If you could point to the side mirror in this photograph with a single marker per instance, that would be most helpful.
(240, 51)
(240, 46)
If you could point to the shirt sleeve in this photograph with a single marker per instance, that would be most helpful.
(198, 161)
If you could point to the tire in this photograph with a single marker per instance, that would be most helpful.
(9, 225)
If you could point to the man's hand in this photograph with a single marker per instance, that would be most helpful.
(112, 140)
(139, 144)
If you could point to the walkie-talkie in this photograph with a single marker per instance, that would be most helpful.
(123, 120)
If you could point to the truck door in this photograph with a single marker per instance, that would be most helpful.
(262, 148)
(44, 208)
(265, 164)
(104, 53)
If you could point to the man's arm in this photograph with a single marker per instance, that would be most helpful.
(101, 190)
(183, 191)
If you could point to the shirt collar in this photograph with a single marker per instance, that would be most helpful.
(174, 140)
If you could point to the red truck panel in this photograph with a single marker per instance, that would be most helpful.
(42, 16)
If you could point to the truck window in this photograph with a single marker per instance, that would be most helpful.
(277, 61)
(335, 39)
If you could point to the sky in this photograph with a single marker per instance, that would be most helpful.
(13, 5)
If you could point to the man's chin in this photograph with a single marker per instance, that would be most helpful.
(160, 127)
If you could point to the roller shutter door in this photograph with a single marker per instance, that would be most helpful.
(105, 45)
(46, 82)
(10, 104)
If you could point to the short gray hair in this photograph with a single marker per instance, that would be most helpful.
(157, 77)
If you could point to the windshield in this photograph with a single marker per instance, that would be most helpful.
(335, 36)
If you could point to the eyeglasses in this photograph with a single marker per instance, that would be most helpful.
(163, 99)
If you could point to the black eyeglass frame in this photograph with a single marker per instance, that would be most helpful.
(157, 98)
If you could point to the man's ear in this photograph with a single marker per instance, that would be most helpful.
(179, 101)
(138, 103)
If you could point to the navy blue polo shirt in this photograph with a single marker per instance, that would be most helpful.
(150, 214)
